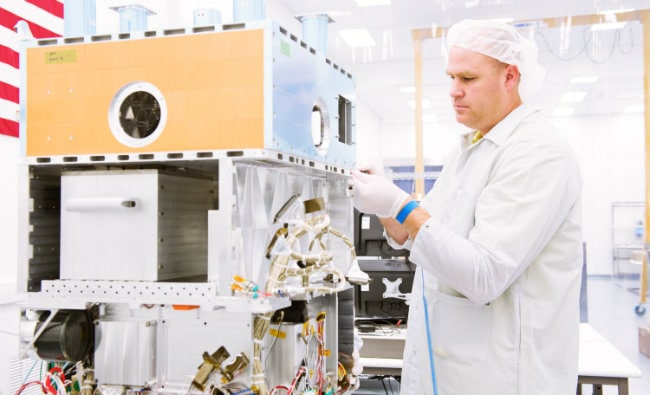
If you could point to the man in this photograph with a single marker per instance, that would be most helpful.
(497, 241)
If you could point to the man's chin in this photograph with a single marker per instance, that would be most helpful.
(462, 120)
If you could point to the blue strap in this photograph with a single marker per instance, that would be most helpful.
(434, 381)
(406, 210)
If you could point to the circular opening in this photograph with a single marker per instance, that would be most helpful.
(137, 114)
(317, 127)
(320, 126)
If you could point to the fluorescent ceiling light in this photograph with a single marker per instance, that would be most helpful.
(357, 38)
(407, 89)
(607, 26)
(573, 97)
(588, 79)
(337, 13)
(426, 104)
(633, 109)
(563, 112)
(502, 20)
(609, 22)
(619, 11)
(372, 3)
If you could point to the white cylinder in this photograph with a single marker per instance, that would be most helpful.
(314, 31)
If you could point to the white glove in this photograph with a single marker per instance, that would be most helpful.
(374, 194)
(372, 167)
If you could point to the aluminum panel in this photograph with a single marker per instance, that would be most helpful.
(125, 353)
(186, 337)
(247, 86)
(286, 352)
(311, 90)
(134, 225)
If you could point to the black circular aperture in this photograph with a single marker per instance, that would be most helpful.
(69, 336)
(139, 114)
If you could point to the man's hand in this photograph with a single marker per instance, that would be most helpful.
(372, 167)
(373, 194)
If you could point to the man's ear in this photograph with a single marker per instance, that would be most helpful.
(512, 75)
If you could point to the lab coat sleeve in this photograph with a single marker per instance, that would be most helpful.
(397, 246)
(531, 188)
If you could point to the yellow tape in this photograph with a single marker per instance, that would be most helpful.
(64, 56)
(277, 333)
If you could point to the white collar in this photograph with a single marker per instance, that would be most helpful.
(502, 130)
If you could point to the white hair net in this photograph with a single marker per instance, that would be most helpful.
(502, 42)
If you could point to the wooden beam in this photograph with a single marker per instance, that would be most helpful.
(419, 146)
(645, 20)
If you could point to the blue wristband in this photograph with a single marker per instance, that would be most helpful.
(406, 210)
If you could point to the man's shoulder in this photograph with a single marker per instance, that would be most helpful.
(538, 129)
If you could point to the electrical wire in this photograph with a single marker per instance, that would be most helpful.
(54, 382)
(294, 386)
(587, 39)
(432, 366)
(620, 47)
(25, 385)
(558, 56)
(311, 352)
(9, 333)
(275, 338)
(277, 388)
(383, 384)
(322, 352)
(32, 368)
(287, 261)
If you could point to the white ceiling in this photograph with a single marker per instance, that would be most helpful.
(615, 57)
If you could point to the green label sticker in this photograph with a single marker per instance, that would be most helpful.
(55, 57)
(285, 49)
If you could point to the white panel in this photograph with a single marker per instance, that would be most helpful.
(126, 352)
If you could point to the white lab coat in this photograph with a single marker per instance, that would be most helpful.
(501, 259)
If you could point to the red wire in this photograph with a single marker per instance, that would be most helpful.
(321, 354)
(22, 387)
(280, 387)
(301, 372)
(48, 380)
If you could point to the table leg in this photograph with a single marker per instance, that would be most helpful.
(598, 389)
(622, 386)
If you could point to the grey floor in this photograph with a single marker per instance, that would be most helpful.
(610, 309)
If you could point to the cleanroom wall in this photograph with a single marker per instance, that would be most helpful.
(8, 253)
(8, 212)
(611, 152)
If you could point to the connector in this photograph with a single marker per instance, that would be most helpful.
(230, 370)
(209, 365)
(357, 276)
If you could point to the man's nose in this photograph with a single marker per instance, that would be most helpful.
(455, 91)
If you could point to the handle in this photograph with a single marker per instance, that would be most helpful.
(83, 205)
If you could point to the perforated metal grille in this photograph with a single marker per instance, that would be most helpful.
(139, 114)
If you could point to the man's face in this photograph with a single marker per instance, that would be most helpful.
(478, 88)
